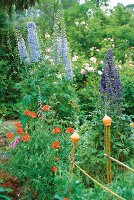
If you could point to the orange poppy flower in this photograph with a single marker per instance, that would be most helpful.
(69, 130)
(9, 136)
(56, 130)
(20, 131)
(55, 145)
(33, 114)
(65, 199)
(27, 112)
(25, 138)
(54, 169)
(46, 108)
(57, 159)
(18, 124)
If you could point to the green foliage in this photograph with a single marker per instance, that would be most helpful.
(127, 74)
(8, 69)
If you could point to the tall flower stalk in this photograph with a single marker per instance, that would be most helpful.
(60, 48)
(24, 56)
(33, 41)
(111, 90)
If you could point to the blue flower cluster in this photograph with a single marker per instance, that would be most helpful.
(24, 56)
(33, 41)
(60, 47)
(67, 61)
(110, 82)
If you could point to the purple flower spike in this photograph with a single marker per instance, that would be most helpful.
(111, 90)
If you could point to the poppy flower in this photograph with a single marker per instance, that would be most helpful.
(55, 145)
(56, 130)
(46, 108)
(54, 169)
(65, 199)
(18, 124)
(27, 112)
(9, 136)
(33, 114)
(25, 138)
(20, 131)
(57, 159)
(69, 130)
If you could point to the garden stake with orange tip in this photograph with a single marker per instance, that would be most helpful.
(74, 139)
(107, 123)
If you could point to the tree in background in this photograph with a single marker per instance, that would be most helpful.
(99, 3)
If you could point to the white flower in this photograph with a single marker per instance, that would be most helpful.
(83, 71)
(119, 66)
(112, 40)
(47, 57)
(98, 50)
(101, 61)
(48, 50)
(59, 76)
(113, 45)
(76, 23)
(47, 35)
(51, 61)
(74, 58)
(100, 72)
(90, 13)
(86, 65)
(105, 39)
(93, 59)
(83, 23)
(90, 69)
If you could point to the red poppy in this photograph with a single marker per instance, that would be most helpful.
(9, 136)
(20, 131)
(25, 138)
(65, 199)
(56, 130)
(46, 108)
(27, 112)
(55, 145)
(54, 169)
(18, 124)
(33, 114)
(57, 159)
(69, 130)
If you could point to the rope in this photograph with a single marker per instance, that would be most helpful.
(102, 186)
(120, 163)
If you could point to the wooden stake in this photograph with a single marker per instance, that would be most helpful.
(72, 157)
(108, 152)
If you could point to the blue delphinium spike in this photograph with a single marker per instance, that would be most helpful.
(24, 56)
(33, 41)
(60, 47)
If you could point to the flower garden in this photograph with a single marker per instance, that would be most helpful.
(67, 101)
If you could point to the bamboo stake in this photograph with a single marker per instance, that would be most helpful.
(72, 157)
(108, 151)
(120, 163)
(102, 186)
